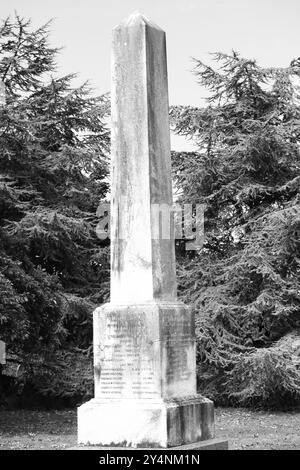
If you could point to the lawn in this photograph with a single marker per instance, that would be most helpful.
(24, 429)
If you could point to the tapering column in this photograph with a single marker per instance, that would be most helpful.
(142, 267)
(144, 339)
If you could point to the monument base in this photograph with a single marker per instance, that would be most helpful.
(146, 423)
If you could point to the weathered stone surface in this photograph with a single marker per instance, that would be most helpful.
(142, 267)
(144, 351)
(146, 423)
(144, 340)
(145, 379)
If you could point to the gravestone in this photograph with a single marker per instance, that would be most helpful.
(144, 339)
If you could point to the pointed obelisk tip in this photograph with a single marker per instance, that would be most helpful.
(135, 19)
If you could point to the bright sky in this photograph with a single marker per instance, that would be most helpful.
(267, 30)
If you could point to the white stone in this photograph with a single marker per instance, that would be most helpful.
(145, 423)
(142, 268)
(144, 340)
(144, 351)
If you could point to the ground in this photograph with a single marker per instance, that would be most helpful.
(244, 429)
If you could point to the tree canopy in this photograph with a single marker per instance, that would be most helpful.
(53, 174)
(244, 283)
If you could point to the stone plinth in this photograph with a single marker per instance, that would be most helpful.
(145, 379)
(144, 351)
(145, 423)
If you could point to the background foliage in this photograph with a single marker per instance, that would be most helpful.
(244, 283)
(53, 174)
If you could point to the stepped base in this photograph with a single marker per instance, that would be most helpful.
(146, 423)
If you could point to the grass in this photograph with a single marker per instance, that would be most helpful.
(29, 430)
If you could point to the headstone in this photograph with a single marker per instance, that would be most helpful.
(144, 339)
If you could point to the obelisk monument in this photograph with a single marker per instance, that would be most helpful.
(144, 339)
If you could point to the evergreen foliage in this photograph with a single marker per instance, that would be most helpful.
(53, 174)
(244, 283)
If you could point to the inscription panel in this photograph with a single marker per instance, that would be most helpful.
(144, 352)
(178, 352)
(125, 357)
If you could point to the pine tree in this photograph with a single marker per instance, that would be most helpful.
(244, 283)
(53, 174)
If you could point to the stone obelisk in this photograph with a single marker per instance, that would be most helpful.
(144, 339)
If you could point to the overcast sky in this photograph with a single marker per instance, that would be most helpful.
(267, 30)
